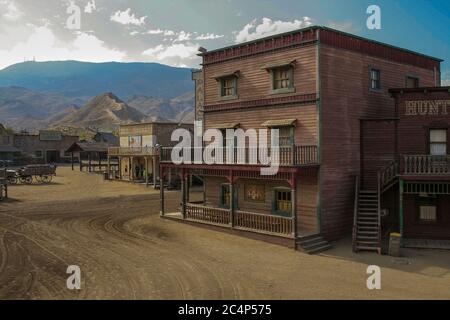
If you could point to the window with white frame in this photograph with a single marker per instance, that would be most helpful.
(375, 82)
(438, 142)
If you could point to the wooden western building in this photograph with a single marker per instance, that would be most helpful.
(405, 162)
(138, 155)
(314, 85)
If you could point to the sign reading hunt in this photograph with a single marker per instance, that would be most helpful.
(426, 107)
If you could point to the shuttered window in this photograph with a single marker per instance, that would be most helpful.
(438, 142)
(428, 213)
(282, 202)
(282, 77)
(228, 87)
(412, 82)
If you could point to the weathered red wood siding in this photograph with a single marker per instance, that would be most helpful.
(377, 149)
(414, 228)
(307, 190)
(346, 99)
(413, 130)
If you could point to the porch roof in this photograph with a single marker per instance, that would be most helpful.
(279, 123)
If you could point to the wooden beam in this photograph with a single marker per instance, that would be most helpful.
(154, 171)
(146, 171)
(161, 194)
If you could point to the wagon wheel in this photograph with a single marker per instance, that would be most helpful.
(26, 179)
(12, 180)
(46, 179)
(38, 178)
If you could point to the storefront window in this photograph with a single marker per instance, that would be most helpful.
(438, 142)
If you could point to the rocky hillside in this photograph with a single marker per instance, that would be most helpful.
(104, 112)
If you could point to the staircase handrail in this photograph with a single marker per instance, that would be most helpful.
(387, 174)
(355, 213)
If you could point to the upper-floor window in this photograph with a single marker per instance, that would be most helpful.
(286, 135)
(438, 142)
(282, 77)
(228, 87)
(412, 82)
(375, 82)
(6, 140)
(38, 153)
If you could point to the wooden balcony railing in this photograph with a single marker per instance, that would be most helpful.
(425, 165)
(131, 151)
(263, 222)
(206, 214)
(288, 156)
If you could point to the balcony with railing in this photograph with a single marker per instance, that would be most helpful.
(287, 155)
(425, 165)
(238, 219)
(132, 151)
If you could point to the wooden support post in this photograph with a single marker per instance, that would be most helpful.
(131, 169)
(108, 168)
(170, 177)
(120, 167)
(80, 160)
(154, 171)
(401, 184)
(146, 171)
(161, 194)
(71, 159)
(294, 207)
(89, 162)
(183, 194)
(99, 161)
(232, 205)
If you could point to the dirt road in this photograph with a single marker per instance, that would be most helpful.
(113, 231)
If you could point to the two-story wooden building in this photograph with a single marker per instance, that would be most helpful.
(405, 160)
(314, 85)
(138, 151)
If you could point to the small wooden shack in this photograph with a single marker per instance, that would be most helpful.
(93, 156)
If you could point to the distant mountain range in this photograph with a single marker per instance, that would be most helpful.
(36, 95)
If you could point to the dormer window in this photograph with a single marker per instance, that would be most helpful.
(227, 85)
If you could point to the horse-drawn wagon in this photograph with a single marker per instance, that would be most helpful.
(40, 173)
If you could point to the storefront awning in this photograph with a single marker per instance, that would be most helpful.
(278, 64)
(227, 74)
(279, 123)
(230, 125)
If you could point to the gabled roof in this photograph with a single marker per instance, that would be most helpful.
(108, 137)
(88, 147)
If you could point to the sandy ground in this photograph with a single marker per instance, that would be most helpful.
(113, 231)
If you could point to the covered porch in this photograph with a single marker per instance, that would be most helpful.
(239, 198)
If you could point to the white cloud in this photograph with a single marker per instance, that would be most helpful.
(90, 7)
(126, 17)
(155, 31)
(209, 36)
(445, 82)
(176, 54)
(267, 27)
(183, 36)
(43, 45)
(9, 10)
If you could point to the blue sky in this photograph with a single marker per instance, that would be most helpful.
(170, 31)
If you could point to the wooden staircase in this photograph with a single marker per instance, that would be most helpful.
(312, 244)
(367, 228)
